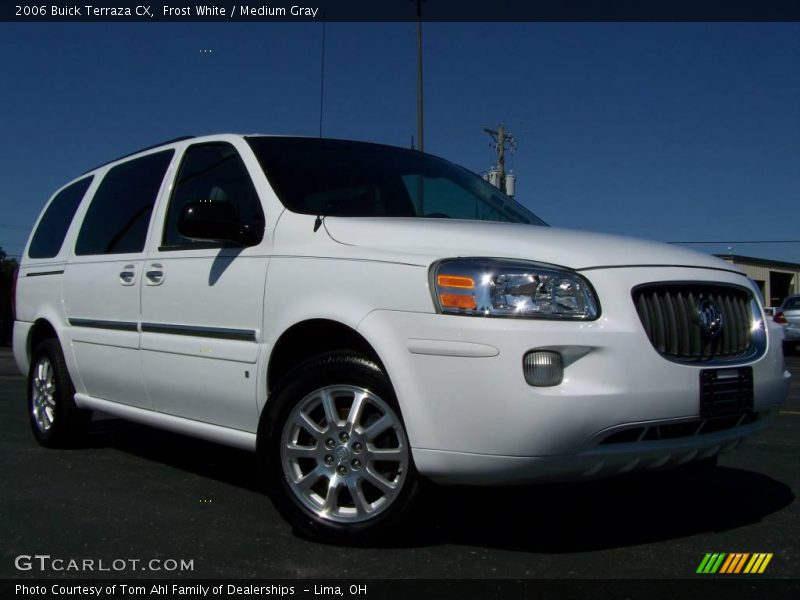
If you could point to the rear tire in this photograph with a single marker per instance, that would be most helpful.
(55, 419)
(335, 450)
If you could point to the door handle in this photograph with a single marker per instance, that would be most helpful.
(155, 274)
(128, 275)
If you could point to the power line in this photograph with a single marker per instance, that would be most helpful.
(741, 242)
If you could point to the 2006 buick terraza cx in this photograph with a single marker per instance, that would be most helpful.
(362, 316)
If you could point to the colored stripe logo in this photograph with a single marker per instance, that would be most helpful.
(734, 563)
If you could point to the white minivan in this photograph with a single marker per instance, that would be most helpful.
(364, 316)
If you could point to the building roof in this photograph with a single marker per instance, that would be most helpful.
(764, 262)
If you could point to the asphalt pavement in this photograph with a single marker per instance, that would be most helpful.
(137, 494)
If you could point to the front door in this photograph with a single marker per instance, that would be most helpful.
(202, 302)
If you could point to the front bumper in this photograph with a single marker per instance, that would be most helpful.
(592, 463)
(471, 417)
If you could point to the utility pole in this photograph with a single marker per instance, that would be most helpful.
(502, 139)
(420, 138)
(322, 75)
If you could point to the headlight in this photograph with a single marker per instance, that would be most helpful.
(511, 288)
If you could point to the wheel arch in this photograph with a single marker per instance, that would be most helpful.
(48, 325)
(41, 330)
(312, 337)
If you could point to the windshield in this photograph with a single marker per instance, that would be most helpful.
(355, 179)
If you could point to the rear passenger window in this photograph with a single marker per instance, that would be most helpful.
(211, 173)
(52, 229)
(117, 219)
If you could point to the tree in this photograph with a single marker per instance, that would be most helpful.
(7, 268)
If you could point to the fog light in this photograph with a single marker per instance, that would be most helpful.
(543, 368)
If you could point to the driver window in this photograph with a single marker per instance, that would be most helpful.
(210, 173)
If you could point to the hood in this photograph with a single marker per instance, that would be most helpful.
(565, 247)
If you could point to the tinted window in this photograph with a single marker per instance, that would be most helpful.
(341, 178)
(117, 219)
(443, 198)
(52, 229)
(212, 173)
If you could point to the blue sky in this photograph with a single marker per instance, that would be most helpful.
(657, 130)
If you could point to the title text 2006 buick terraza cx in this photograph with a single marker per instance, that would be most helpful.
(362, 316)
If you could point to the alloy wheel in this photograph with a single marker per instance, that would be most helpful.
(344, 453)
(43, 389)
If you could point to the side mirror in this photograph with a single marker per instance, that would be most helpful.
(217, 222)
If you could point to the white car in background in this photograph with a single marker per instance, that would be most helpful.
(363, 316)
(788, 315)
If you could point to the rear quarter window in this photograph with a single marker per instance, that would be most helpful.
(52, 229)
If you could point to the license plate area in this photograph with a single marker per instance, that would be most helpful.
(726, 392)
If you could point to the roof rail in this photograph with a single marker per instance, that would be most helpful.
(172, 141)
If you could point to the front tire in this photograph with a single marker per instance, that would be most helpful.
(336, 452)
(55, 419)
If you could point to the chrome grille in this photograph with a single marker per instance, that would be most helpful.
(670, 316)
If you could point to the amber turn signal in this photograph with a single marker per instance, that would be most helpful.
(457, 301)
(456, 281)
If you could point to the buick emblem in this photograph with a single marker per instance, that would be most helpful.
(342, 454)
(709, 318)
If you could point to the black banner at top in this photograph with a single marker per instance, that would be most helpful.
(400, 10)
